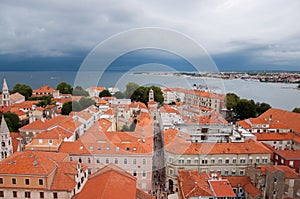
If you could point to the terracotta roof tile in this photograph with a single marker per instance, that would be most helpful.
(222, 188)
(109, 182)
(31, 163)
(289, 154)
(288, 118)
(274, 136)
(289, 173)
(178, 145)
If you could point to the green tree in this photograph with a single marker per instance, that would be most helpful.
(231, 101)
(105, 93)
(64, 88)
(23, 89)
(142, 94)
(46, 100)
(125, 128)
(245, 109)
(12, 121)
(79, 91)
(262, 107)
(76, 106)
(86, 102)
(66, 108)
(119, 95)
(296, 110)
(130, 89)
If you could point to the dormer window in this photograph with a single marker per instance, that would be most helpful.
(50, 141)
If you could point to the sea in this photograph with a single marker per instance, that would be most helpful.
(278, 95)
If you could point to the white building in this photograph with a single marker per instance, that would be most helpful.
(5, 139)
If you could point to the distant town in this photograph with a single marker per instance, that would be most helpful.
(146, 142)
(269, 76)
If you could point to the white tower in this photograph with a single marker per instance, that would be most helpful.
(151, 95)
(5, 140)
(5, 94)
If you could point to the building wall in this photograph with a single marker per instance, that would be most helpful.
(294, 164)
(35, 194)
(97, 161)
(210, 163)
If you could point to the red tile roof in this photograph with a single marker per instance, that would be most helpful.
(273, 136)
(289, 173)
(15, 141)
(289, 154)
(194, 184)
(245, 182)
(222, 188)
(288, 118)
(31, 163)
(179, 145)
(109, 182)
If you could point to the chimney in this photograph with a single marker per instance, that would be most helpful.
(270, 119)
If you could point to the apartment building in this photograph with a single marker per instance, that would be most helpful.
(33, 174)
(228, 159)
(132, 151)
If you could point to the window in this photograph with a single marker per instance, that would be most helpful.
(116, 161)
(41, 182)
(171, 171)
(89, 171)
(89, 160)
(242, 161)
(144, 161)
(80, 160)
(125, 161)
(71, 159)
(188, 161)
(219, 161)
(98, 160)
(227, 161)
(134, 173)
(204, 161)
(233, 172)
(27, 181)
(27, 194)
(265, 160)
(274, 142)
(107, 160)
(41, 194)
(234, 161)
(226, 173)
(15, 194)
(13, 181)
(1, 180)
(257, 160)
(50, 141)
(242, 172)
(144, 173)
(212, 161)
(134, 161)
(196, 161)
(250, 161)
(275, 180)
(291, 163)
(2, 194)
(282, 161)
(55, 195)
(181, 161)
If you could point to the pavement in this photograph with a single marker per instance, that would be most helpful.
(159, 173)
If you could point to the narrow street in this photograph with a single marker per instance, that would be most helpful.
(158, 167)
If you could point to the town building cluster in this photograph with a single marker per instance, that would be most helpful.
(118, 148)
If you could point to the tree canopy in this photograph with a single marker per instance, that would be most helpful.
(75, 106)
(119, 95)
(130, 89)
(23, 89)
(296, 110)
(79, 91)
(105, 93)
(12, 121)
(239, 109)
(142, 94)
(64, 88)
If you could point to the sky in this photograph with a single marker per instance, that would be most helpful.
(237, 34)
